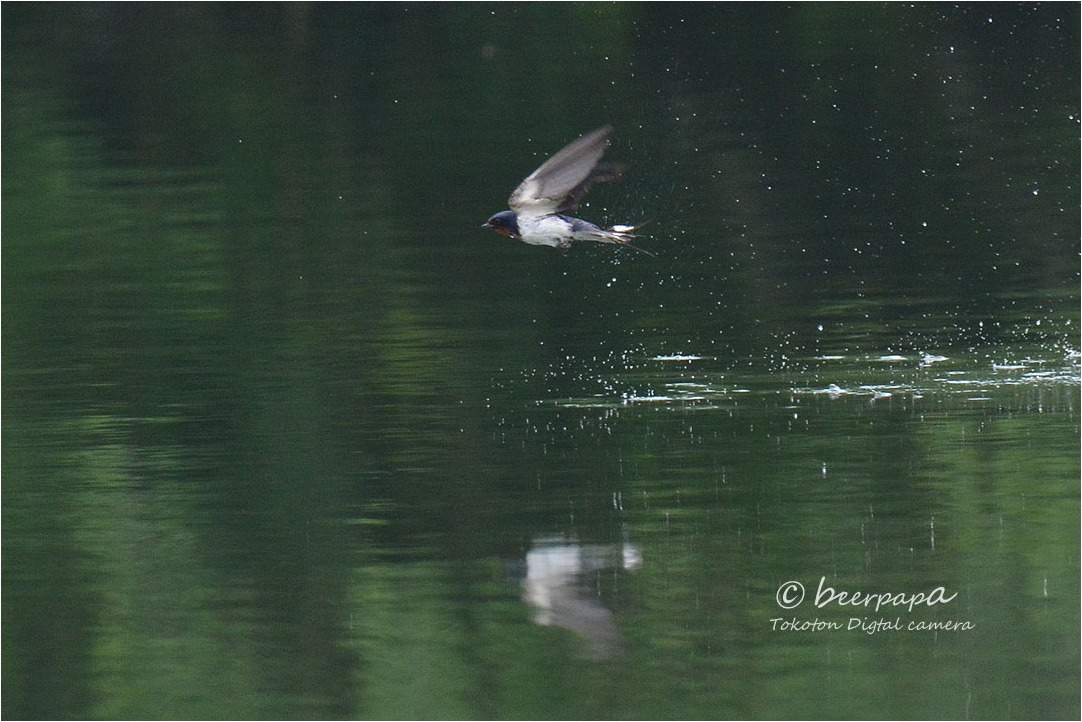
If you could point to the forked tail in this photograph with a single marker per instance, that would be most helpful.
(623, 234)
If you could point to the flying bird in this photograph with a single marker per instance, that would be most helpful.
(540, 203)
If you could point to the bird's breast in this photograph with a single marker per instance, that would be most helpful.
(545, 230)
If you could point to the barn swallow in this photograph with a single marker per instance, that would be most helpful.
(539, 204)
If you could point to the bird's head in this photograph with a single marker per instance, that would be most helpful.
(503, 223)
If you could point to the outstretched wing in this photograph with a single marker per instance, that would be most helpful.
(561, 181)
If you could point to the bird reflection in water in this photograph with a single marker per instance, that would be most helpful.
(559, 587)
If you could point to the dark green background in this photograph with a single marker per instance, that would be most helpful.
(281, 423)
